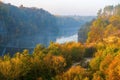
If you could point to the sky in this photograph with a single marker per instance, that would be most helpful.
(66, 7)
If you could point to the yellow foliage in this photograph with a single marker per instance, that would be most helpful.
(115, 18)
(74, 73)
(56, 63)
(113, 70)
(97, 76)
(105, 63)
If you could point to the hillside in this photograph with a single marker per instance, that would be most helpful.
(26, 27)
(69, 25)
(22, 27)
(32, 26)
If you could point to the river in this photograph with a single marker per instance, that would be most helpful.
(73, 38)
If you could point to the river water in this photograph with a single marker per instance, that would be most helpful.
(73, 38)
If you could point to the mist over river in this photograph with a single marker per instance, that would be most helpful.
(73, 38)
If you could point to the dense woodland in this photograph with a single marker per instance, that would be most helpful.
(19, 25)
(60, 61)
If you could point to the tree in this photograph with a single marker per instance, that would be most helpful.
(99, 13)
(74, 73)
(117, 10)
(96, 30)
(108, 10)
(97, 76)
(52, 65)
(114, 68)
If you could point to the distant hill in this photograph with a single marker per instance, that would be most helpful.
(69, 25)
(26, 27)
(22, 27)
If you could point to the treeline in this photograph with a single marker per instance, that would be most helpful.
(104, 35)
(107, 24)
(109, 11)
(49, 63)
(58, 62)
(106, 28)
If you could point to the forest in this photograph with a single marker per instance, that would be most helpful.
(19, 25)
(95, 57)
(25, 27)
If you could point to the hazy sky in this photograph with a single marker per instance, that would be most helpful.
(66, 7)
